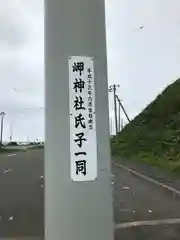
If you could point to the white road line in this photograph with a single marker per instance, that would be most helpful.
(8, 170)
(23, 238)
(173, 190)
(11, 218)
(148, 223)
(125, 188)
(13, 154)
(125, 210)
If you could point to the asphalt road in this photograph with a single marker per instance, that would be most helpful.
(135, 200)
(22, 201)
(22, 194)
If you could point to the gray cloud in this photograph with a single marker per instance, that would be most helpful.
(21, 68)
(142, 61)
(13, 27)
(10, 34)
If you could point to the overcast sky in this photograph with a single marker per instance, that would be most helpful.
(143, 61)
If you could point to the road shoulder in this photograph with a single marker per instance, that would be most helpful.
(152, 172)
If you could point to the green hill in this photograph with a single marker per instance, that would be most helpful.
(154, 135)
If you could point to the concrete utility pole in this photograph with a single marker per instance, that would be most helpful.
(111, 125)
(122, 123)
(75, 210)
(120, 103)
(112, 88)
(119, 119)
(10, 131)
(2, 114)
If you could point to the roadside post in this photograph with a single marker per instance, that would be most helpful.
(78, 192)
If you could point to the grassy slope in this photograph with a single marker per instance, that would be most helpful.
(154, 135)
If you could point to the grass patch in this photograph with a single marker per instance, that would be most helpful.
(36, 147)
(2, 151)
(154, 135)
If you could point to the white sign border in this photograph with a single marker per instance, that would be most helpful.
(90, 146)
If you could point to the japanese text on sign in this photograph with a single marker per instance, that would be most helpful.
(83, 143)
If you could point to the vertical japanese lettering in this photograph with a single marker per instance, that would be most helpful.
(78, 67)
(90, 98)
(78, 85)
(82, 136)
(79, 103)
(81, 167)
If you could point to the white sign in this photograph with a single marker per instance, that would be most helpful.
(83, 142)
